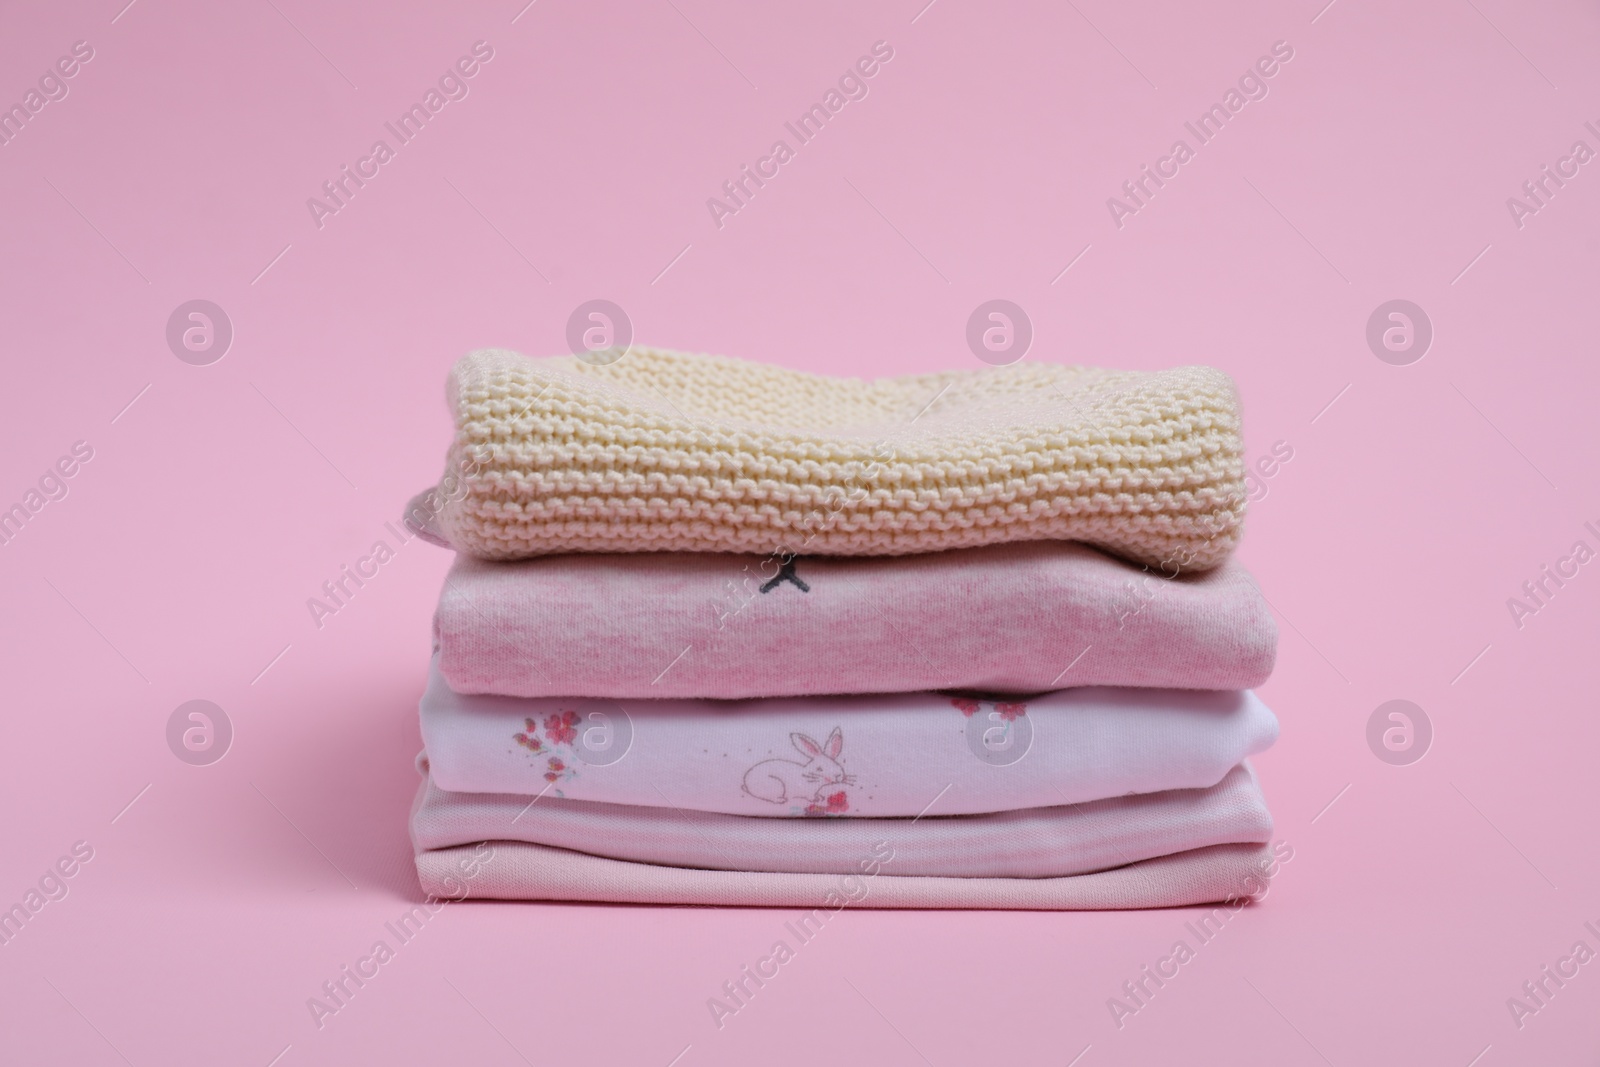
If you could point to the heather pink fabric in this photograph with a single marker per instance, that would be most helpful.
(1032, 843)
(515, 870)
(1020, 618)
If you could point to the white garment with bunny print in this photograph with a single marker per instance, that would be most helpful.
(897, 755)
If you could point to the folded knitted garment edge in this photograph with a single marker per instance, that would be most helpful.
(668, 451)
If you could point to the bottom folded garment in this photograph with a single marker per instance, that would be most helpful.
(1067, 839)
(515, 870)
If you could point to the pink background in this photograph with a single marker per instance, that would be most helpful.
(1377, 168)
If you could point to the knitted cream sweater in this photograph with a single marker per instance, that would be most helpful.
(669, 451)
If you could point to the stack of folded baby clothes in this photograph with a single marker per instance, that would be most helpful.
(723, 633)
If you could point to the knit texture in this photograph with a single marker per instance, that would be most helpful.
(666, 451)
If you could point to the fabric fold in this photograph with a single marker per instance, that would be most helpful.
(1035, 843)
(881, 755)
(668, 451)
(515, 870)
(1021, 618)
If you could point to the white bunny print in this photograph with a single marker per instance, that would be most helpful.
(782, 781)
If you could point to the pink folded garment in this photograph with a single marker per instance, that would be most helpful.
(901, 754)
(1034, 843)
(1019, 618)
(515, 870)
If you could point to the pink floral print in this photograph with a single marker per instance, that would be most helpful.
(560, 728)
(530, 740)
(837, 804)
(1009, 712)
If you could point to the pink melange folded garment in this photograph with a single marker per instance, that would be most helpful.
(515, 870)
(1019, 618)
(1034, 843)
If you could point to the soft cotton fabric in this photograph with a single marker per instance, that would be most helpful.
(667, 451)
(1020, 618)
(885, 755)
(515, 870)
(1036, 843)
